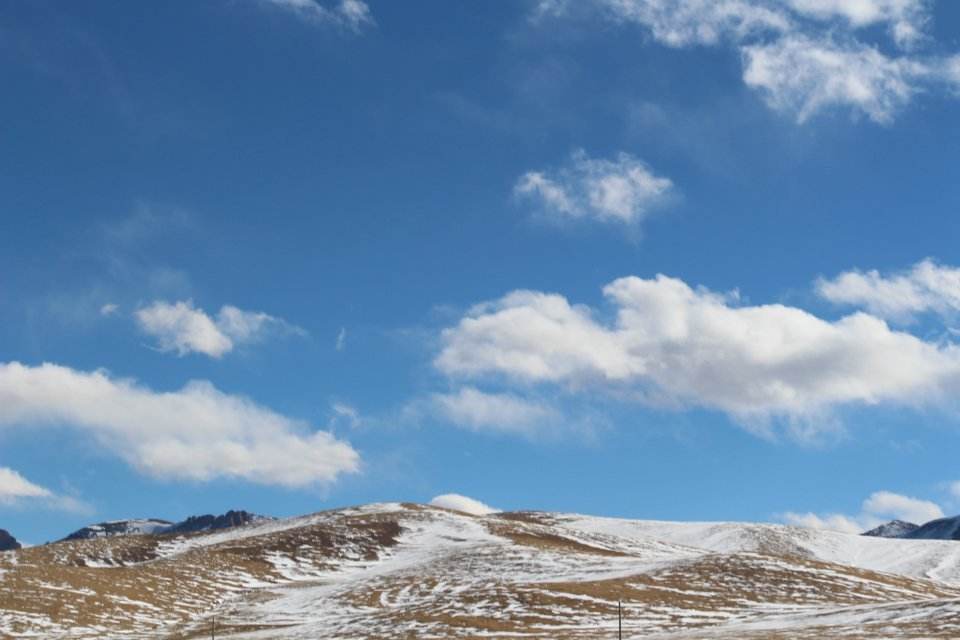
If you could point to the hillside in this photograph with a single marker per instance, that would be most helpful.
(392, 570)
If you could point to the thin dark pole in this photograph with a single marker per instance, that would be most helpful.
(213, 628)
(619, 621)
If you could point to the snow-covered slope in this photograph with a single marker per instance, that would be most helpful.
(119, 528)
(400, 570)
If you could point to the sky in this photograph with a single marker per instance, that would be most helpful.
(686, 260)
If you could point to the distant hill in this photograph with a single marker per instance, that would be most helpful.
(415, 571)
(154, 526)
(8, 542)
(940, 529)
(892, 529)
(119, 528)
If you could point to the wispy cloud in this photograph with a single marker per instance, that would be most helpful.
(195, 433)
(15, 490)
(926, 287)
(353, 15)
(622, 189)
(182, 328)
(806, 57)
(496, 412)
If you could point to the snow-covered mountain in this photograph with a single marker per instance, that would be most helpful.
(208, 522)
(7, 541)
(413, 571)
(119, 528)
(154, 526)
(940, 529)
(892, 529)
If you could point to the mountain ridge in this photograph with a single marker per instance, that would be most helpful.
(156, 526)
(407, 570)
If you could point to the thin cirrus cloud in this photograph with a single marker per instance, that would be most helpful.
(622, 189)
(805, 57)
(668, 344)
(879, 507)
(478, 410)
(182, 328)
(924, 288)
(15, 490)
(196, 433)
(353, 15)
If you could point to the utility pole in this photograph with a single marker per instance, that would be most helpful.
(213, 628)
(619, 621)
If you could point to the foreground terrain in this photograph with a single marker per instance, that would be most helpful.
(411, 571)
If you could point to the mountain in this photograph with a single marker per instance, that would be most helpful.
(208, 522)
(154, 526)
(940, 529)
(119, 528)
(8, 542)
(892, 529)
(414, 571)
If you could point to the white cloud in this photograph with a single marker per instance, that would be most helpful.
(879, 507)
(687, 22)
(670, 343)
(832, 522)
(344, 413)
(14, 486)
(623, 189)
(183, 328)
(350, 14)
(804, 77)
(893, 505)
(341, 343)
(505, 412)
(17, 490)
(805, 56)
(108, 309)
(954, 489)
(925, 288)
(196, 433)
(458, 502)
(906, 18)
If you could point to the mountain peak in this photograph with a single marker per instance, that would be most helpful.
(892, 529)
(209, 522)
(939, 529)
(8, 542)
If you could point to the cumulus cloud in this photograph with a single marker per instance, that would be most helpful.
(803, 76)
(458, 502)
(878, 508)
(196, 433)
(623, 189)
(927, 287)
(353, 15)
(183, 328)
(671, 344)
(806, 57)
(474, 409)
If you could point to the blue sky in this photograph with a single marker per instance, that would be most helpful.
(689, 260)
